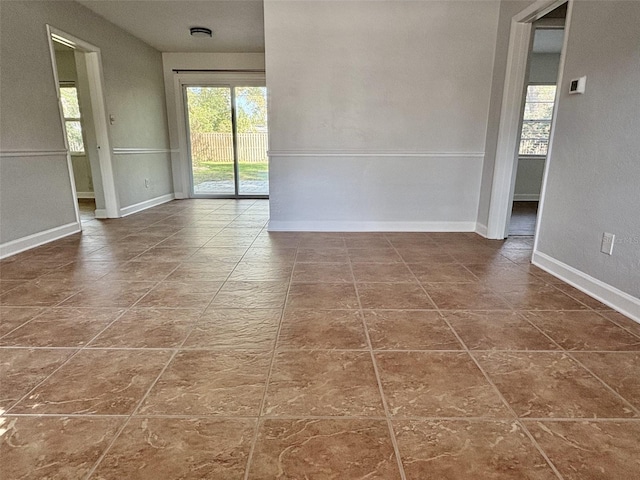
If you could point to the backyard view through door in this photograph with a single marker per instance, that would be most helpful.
(227, 128)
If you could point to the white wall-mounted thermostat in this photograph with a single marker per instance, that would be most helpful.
(577, 85)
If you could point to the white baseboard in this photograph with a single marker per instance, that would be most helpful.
(611, 296)
(101, 213)
(346, 226)
(138, 207)
(180, 196)
(35, 240)
(481, 229)
(85, 195)
(526, 197)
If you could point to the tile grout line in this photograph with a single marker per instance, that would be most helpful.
(504, 401)
(330, 417)
(628, 330)
(145, 395)
(385, 406)
(478, 282)
(635, 410)
(260, 416)
(254, 440)
(44, 309)
(569, 354)
(286, 349)
(563, 350)
(182, 262)
(555, 286)
(129, 417)
(176, 350)
(73, 355)
(134, 304)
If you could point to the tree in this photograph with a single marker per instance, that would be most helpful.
(251, 109)
(209, 109)
(211, 127)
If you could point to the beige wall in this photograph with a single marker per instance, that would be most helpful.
(378, 112)
(30, 121)
(593, 183)
(544, 67)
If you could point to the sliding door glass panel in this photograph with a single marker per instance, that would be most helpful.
(211, 140)
(252, 140)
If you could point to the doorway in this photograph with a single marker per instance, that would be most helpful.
(510, 129)
(227, 137)
(77, 72)
(536, 121)
(75, 128)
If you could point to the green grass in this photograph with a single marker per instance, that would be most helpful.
(224, 171)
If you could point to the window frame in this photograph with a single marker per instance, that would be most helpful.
(549, 121)
(68, 84)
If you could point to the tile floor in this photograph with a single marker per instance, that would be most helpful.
(87, 209)
(187, 342)
(523, 218)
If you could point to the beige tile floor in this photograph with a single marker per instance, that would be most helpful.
(187, 342)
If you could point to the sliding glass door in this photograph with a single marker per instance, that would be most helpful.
(252, 140)
(228, 140)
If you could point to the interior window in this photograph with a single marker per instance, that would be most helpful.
(71, 112)
(536, 124)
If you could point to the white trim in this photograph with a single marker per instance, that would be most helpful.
(381, 226)
(141, 151)
(99, 108)
(364, 153)
(181, 161)
(605, 293)
(526, 197)
(36, 239)
(255, 78)
(512, 102)
(481, 229)
(100, 213)
(63, 122)
(532, 157)
(85, 195)
(138, 207)
(31, 153)
(508, 130)
(552, 133)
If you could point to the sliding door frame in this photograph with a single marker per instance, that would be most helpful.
(229, 80)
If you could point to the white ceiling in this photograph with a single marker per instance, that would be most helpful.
(547, 40)
(238, 25)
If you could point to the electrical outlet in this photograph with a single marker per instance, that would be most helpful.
(607, 243)
(146, 183)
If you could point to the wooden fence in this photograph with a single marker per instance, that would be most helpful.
(218, 147)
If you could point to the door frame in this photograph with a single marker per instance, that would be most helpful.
(505, 168)
(95, 85)
(208, 79)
